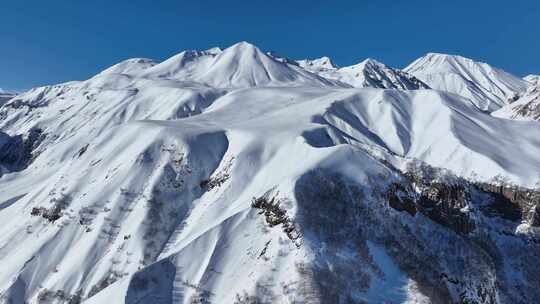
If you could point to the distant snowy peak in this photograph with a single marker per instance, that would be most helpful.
(317, 65)
(239, 66)
(180, 65)
(489, 88)
(278, 57)
(235, 176)
(214, 51)
(244, 65)
(371, 73)
(136, 66)
(532, 79)
(130, 66)
(527, 107)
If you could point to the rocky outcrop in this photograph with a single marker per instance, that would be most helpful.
(343, 222)
(447, 199)
(445, 204)
(18, 151)
(270, 206)
(513, 202)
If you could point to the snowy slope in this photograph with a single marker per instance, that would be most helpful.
(130, 66)
(489, 88)
(368, 73)
(257, 181)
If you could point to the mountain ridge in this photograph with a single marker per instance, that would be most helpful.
(489, 88)
(234, 176)
(368, 73)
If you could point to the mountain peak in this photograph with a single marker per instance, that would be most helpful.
(238, 66)
(244, 46)
(371, 62)
(532, 79)
(215, 50)
(217, 176)
(368, 73)
(318, 64)
(241, 49)
(489, 88)
(437, 54)
(440, 61)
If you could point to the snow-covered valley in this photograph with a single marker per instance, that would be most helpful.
(233, 176)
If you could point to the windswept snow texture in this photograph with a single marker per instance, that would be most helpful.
(489, 88)
(228, 176)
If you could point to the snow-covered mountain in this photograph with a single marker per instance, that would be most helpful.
(487, 87)
(527, 107)
(368, 73)
(229, 176)
(318, 65)
(131, 66)
(532, 79)
(239, 66)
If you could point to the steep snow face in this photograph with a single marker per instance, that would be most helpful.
(371, 73)
(424, 124)
(489, 88)
(527, 107)
(152, 186)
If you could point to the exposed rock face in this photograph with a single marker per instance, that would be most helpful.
(449, 202)
(17, 152)
(513, 202)
(348, 220)
(524, 107)
(535, 218)
(142, 190)
(275, 215)
(368, 73)
(444, 203)
(486, 216)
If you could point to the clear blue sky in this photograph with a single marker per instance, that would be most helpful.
(46, 42)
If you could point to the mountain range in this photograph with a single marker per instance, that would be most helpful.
(238, 176)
